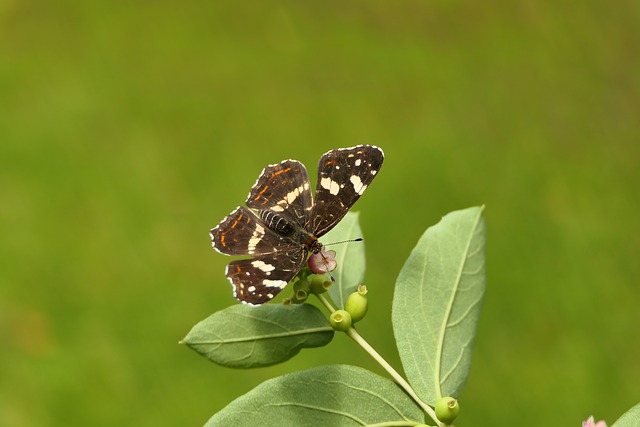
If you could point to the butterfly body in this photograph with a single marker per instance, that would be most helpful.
(288, 222)
(286, 229)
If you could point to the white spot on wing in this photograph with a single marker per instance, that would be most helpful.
(357, 184)
(263, 266)
(292, 196)
(330, 185)
(251, 289)
(358, 162)
(274, 283)
(257, 235)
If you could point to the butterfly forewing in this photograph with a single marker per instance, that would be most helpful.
(284, 189)
(343, 175)
(243, 233)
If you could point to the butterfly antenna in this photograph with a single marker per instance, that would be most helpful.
(359, 239)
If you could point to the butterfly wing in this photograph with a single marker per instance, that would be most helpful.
(258, 280)
(343, 175)
(283, 188)
(243, 233)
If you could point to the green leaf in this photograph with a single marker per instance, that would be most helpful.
(436, 304)
(350, 257)
(631, 418)
(243, 336)
(336, 395)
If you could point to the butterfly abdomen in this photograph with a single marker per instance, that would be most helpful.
(296, 234)
(276, 223)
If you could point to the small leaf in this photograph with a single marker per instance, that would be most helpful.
(631, 418)
(350, 257)
(243, 336)
(436, 304)
(336, 395)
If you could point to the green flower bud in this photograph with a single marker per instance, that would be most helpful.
(357, 304)
(447, 409)
(340, 320)
(319, 284)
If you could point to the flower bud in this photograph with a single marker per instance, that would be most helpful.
(447, 409)
(357, 304)
(340, 320)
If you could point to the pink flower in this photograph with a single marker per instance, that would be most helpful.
(323, 262)
(591, 423)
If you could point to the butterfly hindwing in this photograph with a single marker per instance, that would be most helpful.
(258, 280)
(343, 175)
(284, 189)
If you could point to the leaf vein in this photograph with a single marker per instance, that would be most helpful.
(319, 409)
(454, 365)
(292, 334)
(466, 313)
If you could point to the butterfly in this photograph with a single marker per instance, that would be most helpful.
(282, 222)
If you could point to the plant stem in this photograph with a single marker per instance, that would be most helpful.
(353, 334)
(326, 302)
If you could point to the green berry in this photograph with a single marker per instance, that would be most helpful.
(357, 304)
(299, 296)
(319, 284)
(447, 409)
(301, 285)
(340, 320)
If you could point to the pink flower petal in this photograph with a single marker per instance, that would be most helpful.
(322, 262)
(591, 423)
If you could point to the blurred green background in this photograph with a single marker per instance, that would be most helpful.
(129, 129)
